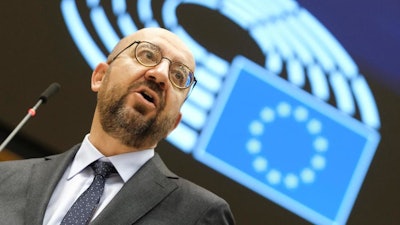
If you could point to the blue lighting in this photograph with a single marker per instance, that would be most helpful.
(104, 28)
(342, 92)
(228, 129)
(92, 54)
(322, 160)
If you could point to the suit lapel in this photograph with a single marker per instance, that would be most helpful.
(148, 187)
(45, 177)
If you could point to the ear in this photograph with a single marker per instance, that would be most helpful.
(178, 120)
(98, 75)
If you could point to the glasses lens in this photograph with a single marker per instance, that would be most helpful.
(148, 54)
(181, 75)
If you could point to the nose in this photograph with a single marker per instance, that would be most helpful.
(159, 73)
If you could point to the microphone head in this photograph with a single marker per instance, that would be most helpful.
(50, 91)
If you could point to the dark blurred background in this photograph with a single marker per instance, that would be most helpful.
(37, 50)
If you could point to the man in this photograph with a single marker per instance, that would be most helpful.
(140, 91)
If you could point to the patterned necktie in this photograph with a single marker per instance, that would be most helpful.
(84, 207)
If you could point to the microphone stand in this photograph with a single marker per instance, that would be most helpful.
(31, 113)
(50, 91)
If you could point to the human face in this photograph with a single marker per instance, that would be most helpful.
(139, 105)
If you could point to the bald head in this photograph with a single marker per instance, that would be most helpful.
(168, 41)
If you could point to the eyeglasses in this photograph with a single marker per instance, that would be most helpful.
(149, 55)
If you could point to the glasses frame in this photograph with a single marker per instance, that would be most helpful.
(192, 83)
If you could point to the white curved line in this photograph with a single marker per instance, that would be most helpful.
(169, 13)
(341, 57)
(126, 24)
(212, 4)
(193, 115)
(318, 82)
(366, 102)
(296, 72)
(104, 28)
(203, 98)
(86, 45)
(186, 145)
(118, 6)
(301, 51)
(283, 44)
(343, 96)
(302, 27)
(144, 11)
(208, 79)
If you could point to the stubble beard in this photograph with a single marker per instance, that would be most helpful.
(129, 126)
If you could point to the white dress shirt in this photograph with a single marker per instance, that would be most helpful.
(78, 177)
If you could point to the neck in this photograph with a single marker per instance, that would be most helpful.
(109, 145)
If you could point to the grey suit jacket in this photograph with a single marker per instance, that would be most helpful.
(153, 196)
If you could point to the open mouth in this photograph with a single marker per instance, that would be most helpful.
(147, 96)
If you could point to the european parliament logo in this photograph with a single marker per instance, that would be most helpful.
(287, 145)
(300, 128)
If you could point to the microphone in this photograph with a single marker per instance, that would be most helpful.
(49, 92)
(44, 97)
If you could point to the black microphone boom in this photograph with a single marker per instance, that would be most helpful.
(49, 92)
(44, 97)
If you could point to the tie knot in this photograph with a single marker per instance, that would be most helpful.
(103, 168)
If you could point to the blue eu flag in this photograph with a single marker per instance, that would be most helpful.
(287, 145)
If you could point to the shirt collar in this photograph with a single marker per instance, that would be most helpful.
(126, 164)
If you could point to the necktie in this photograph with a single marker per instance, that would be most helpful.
(84, 207)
